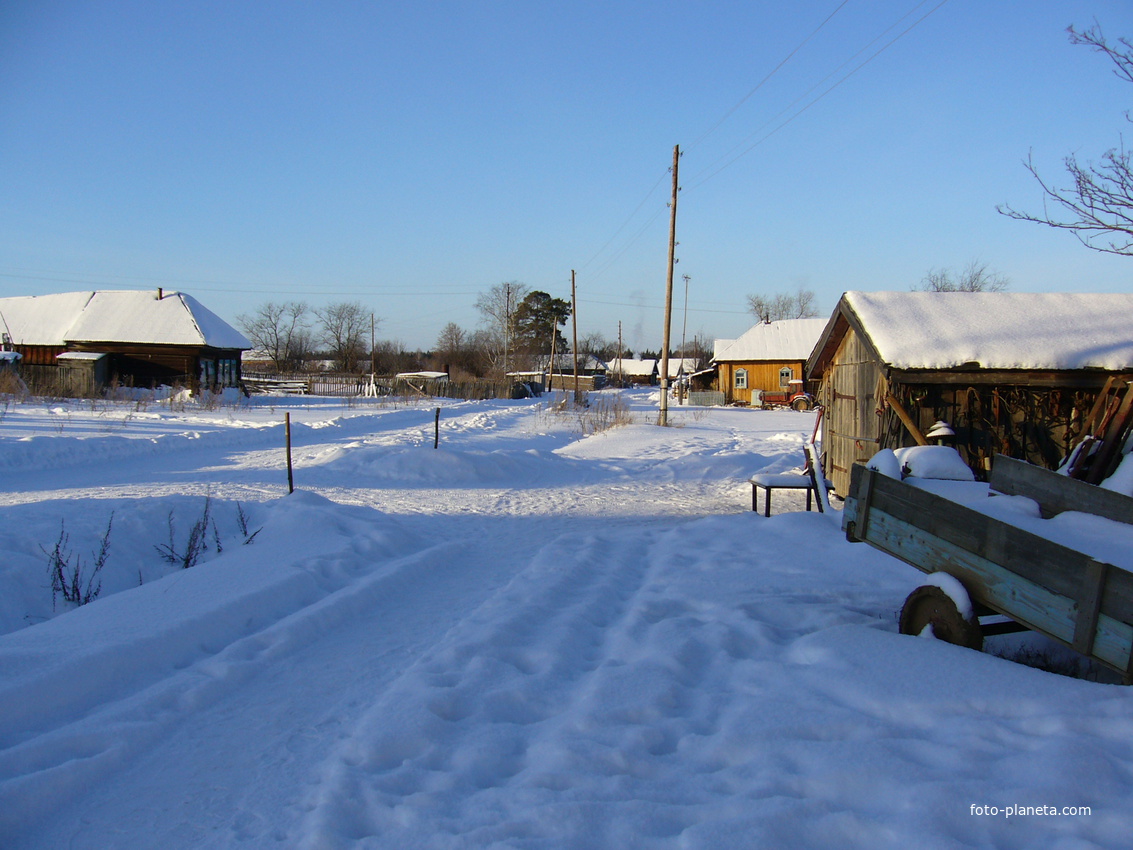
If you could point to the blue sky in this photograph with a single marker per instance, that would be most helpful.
(409, 156)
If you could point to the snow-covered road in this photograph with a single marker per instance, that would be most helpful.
(520, 639)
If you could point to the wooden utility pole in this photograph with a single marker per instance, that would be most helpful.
(664, 419)
(507, 324)
(574, 332)
(551, 367)
(621, 358)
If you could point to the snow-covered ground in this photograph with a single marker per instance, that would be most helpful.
(526, 637)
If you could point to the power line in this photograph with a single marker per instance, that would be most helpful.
(700, 182)
(770, 74)
(711, 170)
(701, 138)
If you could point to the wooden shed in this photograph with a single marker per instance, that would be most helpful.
(624, 371)
(138, 338)
(766, 358)
(1010, 373)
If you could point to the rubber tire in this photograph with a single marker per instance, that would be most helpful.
(800, 404)
(929, 605)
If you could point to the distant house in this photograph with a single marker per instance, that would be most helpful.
(768, 357)
(83, 340)
(624, 371)
(680, 366)
(591, 372)
(1013, 373)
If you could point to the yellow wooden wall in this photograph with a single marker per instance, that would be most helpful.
(761, 375)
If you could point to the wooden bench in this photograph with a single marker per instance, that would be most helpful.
(805, 480)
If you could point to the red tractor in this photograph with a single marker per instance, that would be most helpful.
(794, 397)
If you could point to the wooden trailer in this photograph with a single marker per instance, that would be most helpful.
(1039, 584)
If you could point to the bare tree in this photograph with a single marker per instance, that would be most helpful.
(783, 305)
(597, 345)
(497, 309)
(454, 350)
(391, 357)
(699, 348)
(450, 341)
(344, 327)
(282, 331)
(974, 277)
(1100, 198)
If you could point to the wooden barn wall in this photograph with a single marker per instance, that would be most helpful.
(39, 355)
(851, 395)
(761, 375)
(129, 365)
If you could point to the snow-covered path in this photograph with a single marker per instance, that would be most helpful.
(520, 639)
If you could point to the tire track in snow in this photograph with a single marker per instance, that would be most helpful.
(464, 717)
(257, 689)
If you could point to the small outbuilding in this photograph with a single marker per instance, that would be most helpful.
(1008, 373)
(624, 370)
(767, 358)
(82, 340)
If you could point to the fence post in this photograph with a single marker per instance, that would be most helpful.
(437, 428)
(290, 477)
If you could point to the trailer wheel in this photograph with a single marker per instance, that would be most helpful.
(929, 605)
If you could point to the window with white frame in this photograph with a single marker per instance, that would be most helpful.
(740, 382)
(785, 376)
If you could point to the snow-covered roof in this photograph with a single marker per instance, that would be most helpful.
(621, 366)
(997, 330)
(676, 364)
(564, 362)
(786, 339)
(41, 319)
(117, 316)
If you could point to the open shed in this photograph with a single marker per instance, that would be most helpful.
(1011, 373)
(139, 338)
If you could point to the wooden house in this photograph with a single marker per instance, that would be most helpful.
(1010, 373)
(622, 371)
(767, 358)
(82, 340)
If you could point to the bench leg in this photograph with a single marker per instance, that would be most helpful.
(755, 497)
(767, 503)
(808, 498)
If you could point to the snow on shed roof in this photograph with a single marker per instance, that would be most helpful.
(41, 319)
(997, 330)
(623, 366)
(118, 316)
(786, 339)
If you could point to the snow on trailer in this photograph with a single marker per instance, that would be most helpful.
(1061, 589)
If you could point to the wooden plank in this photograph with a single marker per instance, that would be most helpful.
(1038, 560)
(1002, 590)
(1110, 449)
(1099, 405)
(1078, 379)
(1089, 606)
(906, 419)
(1056, 493)
(987, 583)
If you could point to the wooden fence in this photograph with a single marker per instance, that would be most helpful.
(359, 386)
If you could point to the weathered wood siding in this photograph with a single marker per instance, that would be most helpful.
(850, 393)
